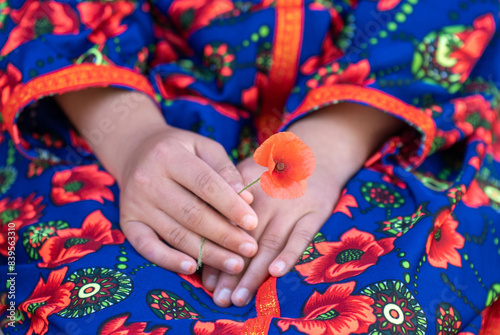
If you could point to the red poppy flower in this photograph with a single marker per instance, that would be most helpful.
(346, 201)
(46, 299)
(191, 15)
(10, 83)
(116, 326)
(36, 18)
(19, 212)
(443, 241)
(81, 183)
(356, 251)
(384, 5)
(70, 245)
(334, 312)
(289, 161)
(475, 197)
(228, 327)
(474, 44)
(104, 18)
(490, 319)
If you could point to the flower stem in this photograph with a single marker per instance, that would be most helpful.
(253, 182)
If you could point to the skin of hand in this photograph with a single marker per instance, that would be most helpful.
(342, 138)
(174, 184)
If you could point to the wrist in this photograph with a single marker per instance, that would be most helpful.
(121, 119)
(345, 135)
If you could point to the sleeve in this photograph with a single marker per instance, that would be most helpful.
(52, 47)
(432, 64)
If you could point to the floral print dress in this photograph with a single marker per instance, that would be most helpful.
(413, 244)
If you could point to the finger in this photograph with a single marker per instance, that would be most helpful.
(271, 244)
(224, 290)
(210, 277)
(198, 177)
(190, 243)
(215, 156)
(147, 243)
(194, 215)
(300, 238)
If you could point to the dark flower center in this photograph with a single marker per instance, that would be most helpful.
(34, 306)
(3, 178)
(9, 215)
(280, 167)
(74, 241)
(349, 255)
(43, 26)
(331, 314)
(73, 186)
(437, 234)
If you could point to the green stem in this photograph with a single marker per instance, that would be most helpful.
(198, 265)
(253, 182)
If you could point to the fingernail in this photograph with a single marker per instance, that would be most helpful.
(231, 265)
(224, 296)
(187, 266)
(249, 222)
(247, 249)
(280, 266)
(241, 296)
(211, 282)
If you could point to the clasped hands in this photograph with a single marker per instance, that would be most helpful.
(179, 187)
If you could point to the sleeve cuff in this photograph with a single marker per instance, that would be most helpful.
(71, 78)
(333, 94)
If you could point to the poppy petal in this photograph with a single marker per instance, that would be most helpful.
(294, 190)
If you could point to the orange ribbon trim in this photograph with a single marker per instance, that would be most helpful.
(326, 95)
(74, 77)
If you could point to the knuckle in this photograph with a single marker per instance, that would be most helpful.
(228, 171)
(160, 150)
(206, 184)
(178, 237)
(145, 247)
(192, 215)
(304, 237)
(139, 176)
(271, 242)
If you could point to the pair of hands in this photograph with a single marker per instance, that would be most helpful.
(179, 187)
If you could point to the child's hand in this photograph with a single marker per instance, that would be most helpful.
(174, 184)
(342, 138)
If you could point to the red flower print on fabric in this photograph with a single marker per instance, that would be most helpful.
(105, 19)
(356, 251)
(384, 5)
(70, 245)
(470, 111)
(227, 327)
(191, 15)
(36, 18)
(81, 183)
(20, 212)
(335, 311)
(346, 201)
(46, 299)
(355, 74)
(10, 83)
(444, 240)
(116, 326)
(474, 44)
(475, 197)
